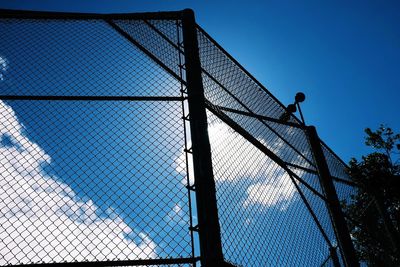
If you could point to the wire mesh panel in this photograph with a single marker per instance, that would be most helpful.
(97, 156)
(336, 166)
(328, 262)
(91, 132)
(254, 196)
(272, 209)
(232, 80)
(263, 218)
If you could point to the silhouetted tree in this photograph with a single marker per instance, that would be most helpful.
(374, 213)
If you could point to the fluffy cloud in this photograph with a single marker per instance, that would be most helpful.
(43, 220)
(279, 193)
(234, 159)
(177, 215)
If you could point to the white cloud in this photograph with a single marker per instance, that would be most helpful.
(177, 215)
(234, 158)
(279, 194)
(42, 219)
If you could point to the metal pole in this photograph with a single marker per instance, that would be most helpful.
(206, 201)
(333, 204)
(301, 113)
(334, 256)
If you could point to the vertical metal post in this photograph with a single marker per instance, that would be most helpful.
(336, 213)
(334, 256)
(206, 201)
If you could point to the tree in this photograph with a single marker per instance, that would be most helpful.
(374, 212)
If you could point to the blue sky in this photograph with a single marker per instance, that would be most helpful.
(344, 55)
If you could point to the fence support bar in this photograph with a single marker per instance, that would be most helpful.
(206, 201)
(333, 204)
(334, 256)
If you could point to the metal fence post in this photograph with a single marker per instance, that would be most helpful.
(334, 256)
(335, 210)
(206, 201)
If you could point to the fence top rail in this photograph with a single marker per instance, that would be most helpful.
(29, 14)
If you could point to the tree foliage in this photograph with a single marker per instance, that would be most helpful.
(374, 212)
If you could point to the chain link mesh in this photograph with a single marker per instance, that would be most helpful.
(263, 219)
(96, 162)
(86, 174)
(153, 41)
(231, 79)
(272, 212)
(336, 166)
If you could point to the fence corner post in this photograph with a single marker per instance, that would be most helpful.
(206, 201)
(334, 256)
(334, 208)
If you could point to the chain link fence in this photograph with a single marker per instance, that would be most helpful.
(272, 209)
(91, 138)
(96, 150)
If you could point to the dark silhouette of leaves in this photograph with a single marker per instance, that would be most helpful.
(374, 213)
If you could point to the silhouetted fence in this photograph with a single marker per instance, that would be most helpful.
(135, 139)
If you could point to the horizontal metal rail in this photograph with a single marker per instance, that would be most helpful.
(261, 117)
(92, 98)
(9, 13)
(119, 263)
(337, 179)
(301, 168)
